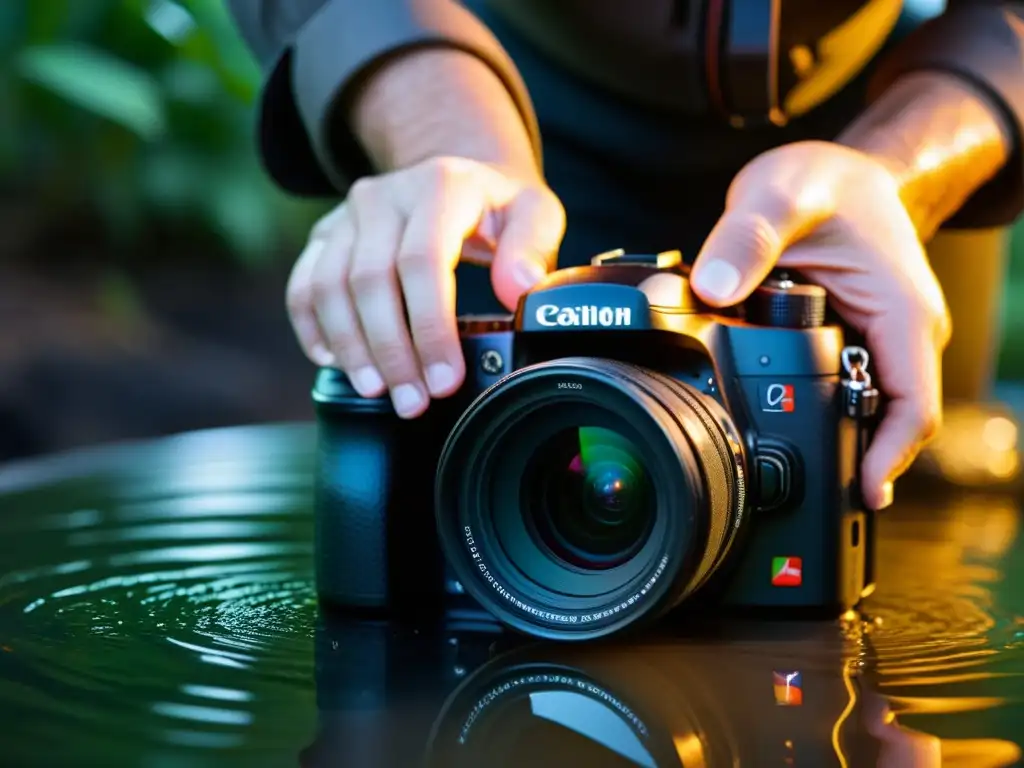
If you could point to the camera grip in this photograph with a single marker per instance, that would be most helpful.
(375, 542)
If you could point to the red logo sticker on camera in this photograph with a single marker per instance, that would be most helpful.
(788, 687)
(778, 398)
(787, 571)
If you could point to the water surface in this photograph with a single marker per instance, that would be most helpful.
(157, 609)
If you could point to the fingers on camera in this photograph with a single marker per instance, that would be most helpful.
(348, 299)
(299, 301)
(425, 265)
(908, 350)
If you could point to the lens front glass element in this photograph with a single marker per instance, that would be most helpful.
(581, 495)
(589, 498)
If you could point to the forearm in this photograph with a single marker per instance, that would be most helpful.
(942, 139)
(440, 101)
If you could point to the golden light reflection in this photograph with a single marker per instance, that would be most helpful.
(843, 50)
(934, 609)
(966, 677)
(690, 750)
(929, 159)
(999, 434)
(974, 448)
(837, 729)
(802, 59)
(979, 753)
(1003, 466)
(946, 705)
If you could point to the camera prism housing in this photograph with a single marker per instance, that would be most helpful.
(618, 450)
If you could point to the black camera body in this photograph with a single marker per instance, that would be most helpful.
(618, 449)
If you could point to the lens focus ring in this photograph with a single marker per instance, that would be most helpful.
(543, 554)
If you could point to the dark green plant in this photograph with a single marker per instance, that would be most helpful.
(142, 109)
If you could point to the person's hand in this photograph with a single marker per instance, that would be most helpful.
(373, 293)
(835, 215)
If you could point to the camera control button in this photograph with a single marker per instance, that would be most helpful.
(618, 257)
(472, 325)
(775, 476)
(771, 481)
(780, 302)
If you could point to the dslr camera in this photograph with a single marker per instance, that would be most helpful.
(619, 450)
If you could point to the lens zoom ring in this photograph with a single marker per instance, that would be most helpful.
(718, 465)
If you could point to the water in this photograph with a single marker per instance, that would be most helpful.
(157, 609)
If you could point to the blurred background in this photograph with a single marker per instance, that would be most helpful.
(144, 254)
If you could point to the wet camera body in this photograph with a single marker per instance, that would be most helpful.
(742, 421)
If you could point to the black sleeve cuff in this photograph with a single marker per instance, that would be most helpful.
(984, 44)
(305, 145)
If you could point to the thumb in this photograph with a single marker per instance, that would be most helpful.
(527, 248)
(760, 221)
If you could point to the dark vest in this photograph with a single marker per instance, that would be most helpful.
(749, 61)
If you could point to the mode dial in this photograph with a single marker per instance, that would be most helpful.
(780, 302)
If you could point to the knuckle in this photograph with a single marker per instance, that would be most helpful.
(442, 175)
(363, 191)
(544, 198)
(783, 204)
(347, 344)
(552, 201)
(321, 288)
(322, 228)
(753, 234)
(943, 329)
(450, 167)
(943, 324)
(369, 273)
(393, 359)
(432, 334)
(927, 420)
(299, 297)
(932, 310)
(411, 262)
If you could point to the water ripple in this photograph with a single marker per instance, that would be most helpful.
(166, 611)
(186, 626)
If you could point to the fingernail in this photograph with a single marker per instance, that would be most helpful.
(440, 377)
(886, 496)
(528, 273)
(407, 398)
(321, 356)
(718, 279)
(367, 381)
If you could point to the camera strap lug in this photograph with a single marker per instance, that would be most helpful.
(860, 398)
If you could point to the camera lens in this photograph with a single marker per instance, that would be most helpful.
(588, 497)
(581, 496)
(540, 714)
(596, 705)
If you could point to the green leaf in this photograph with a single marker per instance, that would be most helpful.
(192, 82)
(222, 45)
(98, 82)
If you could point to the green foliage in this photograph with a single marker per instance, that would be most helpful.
(141, 109)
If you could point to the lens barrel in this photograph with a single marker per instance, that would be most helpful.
(581, 496)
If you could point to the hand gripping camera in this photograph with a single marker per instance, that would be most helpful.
(618, 450)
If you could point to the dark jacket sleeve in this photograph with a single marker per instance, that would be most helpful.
(314, 52)
(981, 41)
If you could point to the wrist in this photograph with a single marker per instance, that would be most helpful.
(941, 138)
(437, 102)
